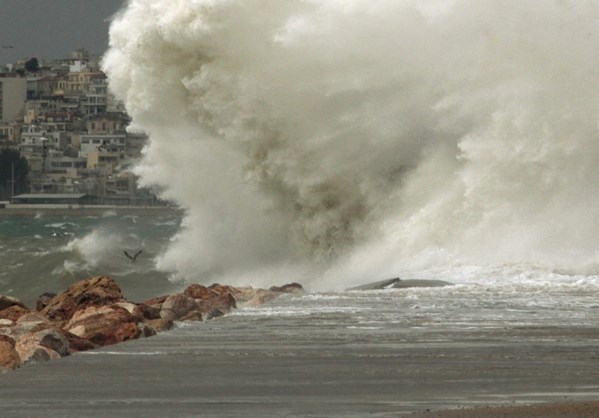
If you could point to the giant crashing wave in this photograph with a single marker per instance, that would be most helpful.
(330, 139)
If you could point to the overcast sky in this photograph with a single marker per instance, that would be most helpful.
(49, 29)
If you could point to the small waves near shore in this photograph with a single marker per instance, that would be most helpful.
(50, 250)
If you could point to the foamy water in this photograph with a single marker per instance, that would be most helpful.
(325, 140)
(48, 253)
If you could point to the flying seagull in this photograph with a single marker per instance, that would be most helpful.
(132, 257)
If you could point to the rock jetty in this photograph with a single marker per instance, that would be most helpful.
(93, 313)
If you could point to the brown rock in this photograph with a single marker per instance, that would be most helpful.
(9, 358)
(195, 315)
(157, 301)
(160, 325)
(43, 300)
(224, 303)
(104, 325)
(149, 311)
(117, 334)
(133, 309)
(49, 338)
(197, 291)
(177, 306)
(14, 312)
(41, 346)
(220, 289)
(36, 354)
(8, 301)
(146, 330)
(96, 291)
(33, 322)
(294, 288)
(5, 323)
(77, 344)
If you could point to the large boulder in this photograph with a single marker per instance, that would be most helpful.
(177, 306)
(77, 344)
(9, 358)
(49, 338)
(29, 354)
(97, 291)
(217, 305)
(150, 311)
(42, 346)
(197, 291)
(13, 312)
(213, 301)
(104, 325)
(8, 301)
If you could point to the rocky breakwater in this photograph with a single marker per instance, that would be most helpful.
(94, 313)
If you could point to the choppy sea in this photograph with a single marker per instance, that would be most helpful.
(500, 335)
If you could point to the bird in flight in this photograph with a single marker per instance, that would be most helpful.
(132, 257)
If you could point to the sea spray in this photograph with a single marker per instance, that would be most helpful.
(351, 137)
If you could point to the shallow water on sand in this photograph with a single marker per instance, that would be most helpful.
(344, 354)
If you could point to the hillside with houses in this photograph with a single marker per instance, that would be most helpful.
(60, 118)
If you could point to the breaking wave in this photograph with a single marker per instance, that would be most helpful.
(340, 138)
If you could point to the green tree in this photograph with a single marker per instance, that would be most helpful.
(32, 65)
(10, 158)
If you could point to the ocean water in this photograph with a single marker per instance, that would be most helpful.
(507, 335)
(47, 253)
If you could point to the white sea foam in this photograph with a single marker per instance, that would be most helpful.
(354, 138)
(94, 247)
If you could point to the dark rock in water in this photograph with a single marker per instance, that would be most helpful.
(215, 313)
(43, 300)
(383, 284)
(294, 288)
(397, 283)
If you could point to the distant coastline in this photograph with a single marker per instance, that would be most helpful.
(82, 210)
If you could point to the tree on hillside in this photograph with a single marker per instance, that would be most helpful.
(12, 160)
(32, 65)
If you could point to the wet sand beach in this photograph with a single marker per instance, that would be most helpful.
(272, 362)
(580, 409)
